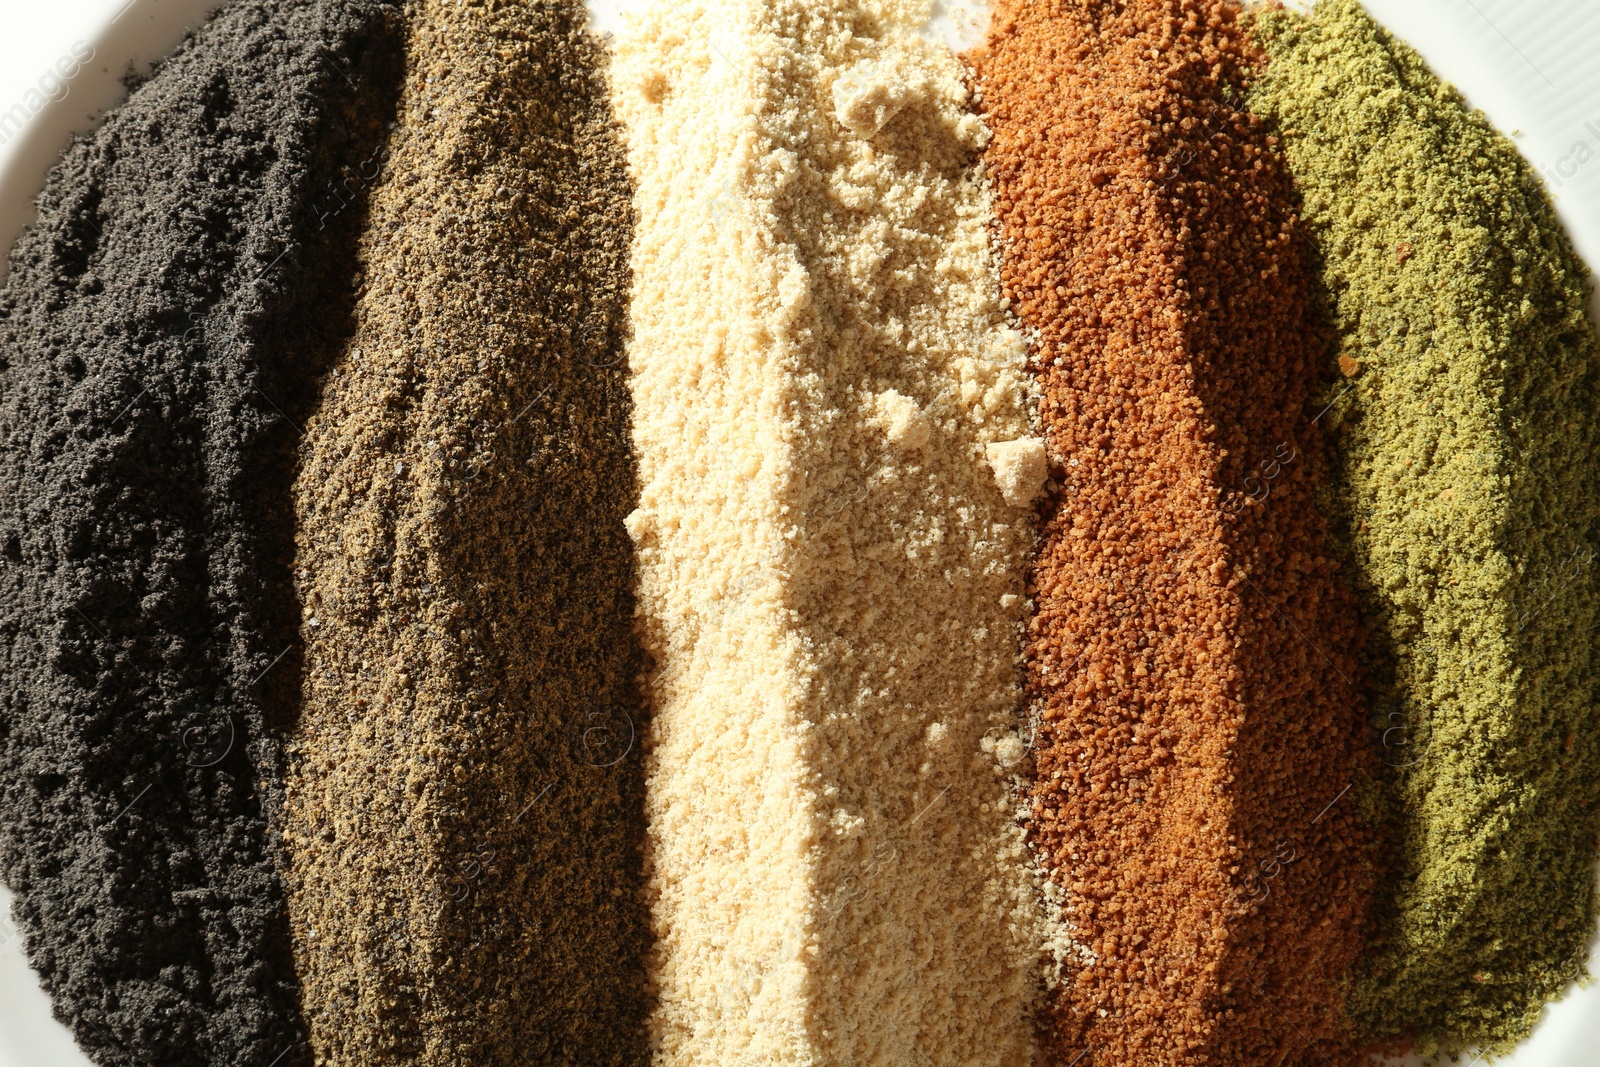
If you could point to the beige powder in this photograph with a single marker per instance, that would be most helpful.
(831, 548)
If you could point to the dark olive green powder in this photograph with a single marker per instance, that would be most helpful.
(1464, 408)
(465, 798)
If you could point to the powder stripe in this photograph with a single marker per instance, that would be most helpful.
(1191, 655)
(1467, 504)
(161, 329)
(465, 801)
(830, 574)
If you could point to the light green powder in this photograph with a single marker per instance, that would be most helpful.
(1465, 491)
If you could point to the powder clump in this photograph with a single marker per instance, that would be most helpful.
(465, 802)
(1020, 468)
(830, 578)
(1465, 419)
(1191, 654)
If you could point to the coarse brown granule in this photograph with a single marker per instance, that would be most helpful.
(161, 333)
(465, 805)
(1191, 650)
(830, 420)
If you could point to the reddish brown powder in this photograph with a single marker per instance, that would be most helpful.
(1191, 655)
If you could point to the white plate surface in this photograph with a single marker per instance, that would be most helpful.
(1528, 63)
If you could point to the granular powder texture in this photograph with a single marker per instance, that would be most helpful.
(830, 569)
(1466, 459)
(1191, 657)
(465, 802)
(160, 332)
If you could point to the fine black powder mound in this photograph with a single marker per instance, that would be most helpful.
(161, 331)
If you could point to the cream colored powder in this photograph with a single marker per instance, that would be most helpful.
(830, 567)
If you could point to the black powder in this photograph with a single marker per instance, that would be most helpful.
(160, 332)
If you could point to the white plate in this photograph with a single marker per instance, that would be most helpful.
(61, 66)
(1527, 63)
